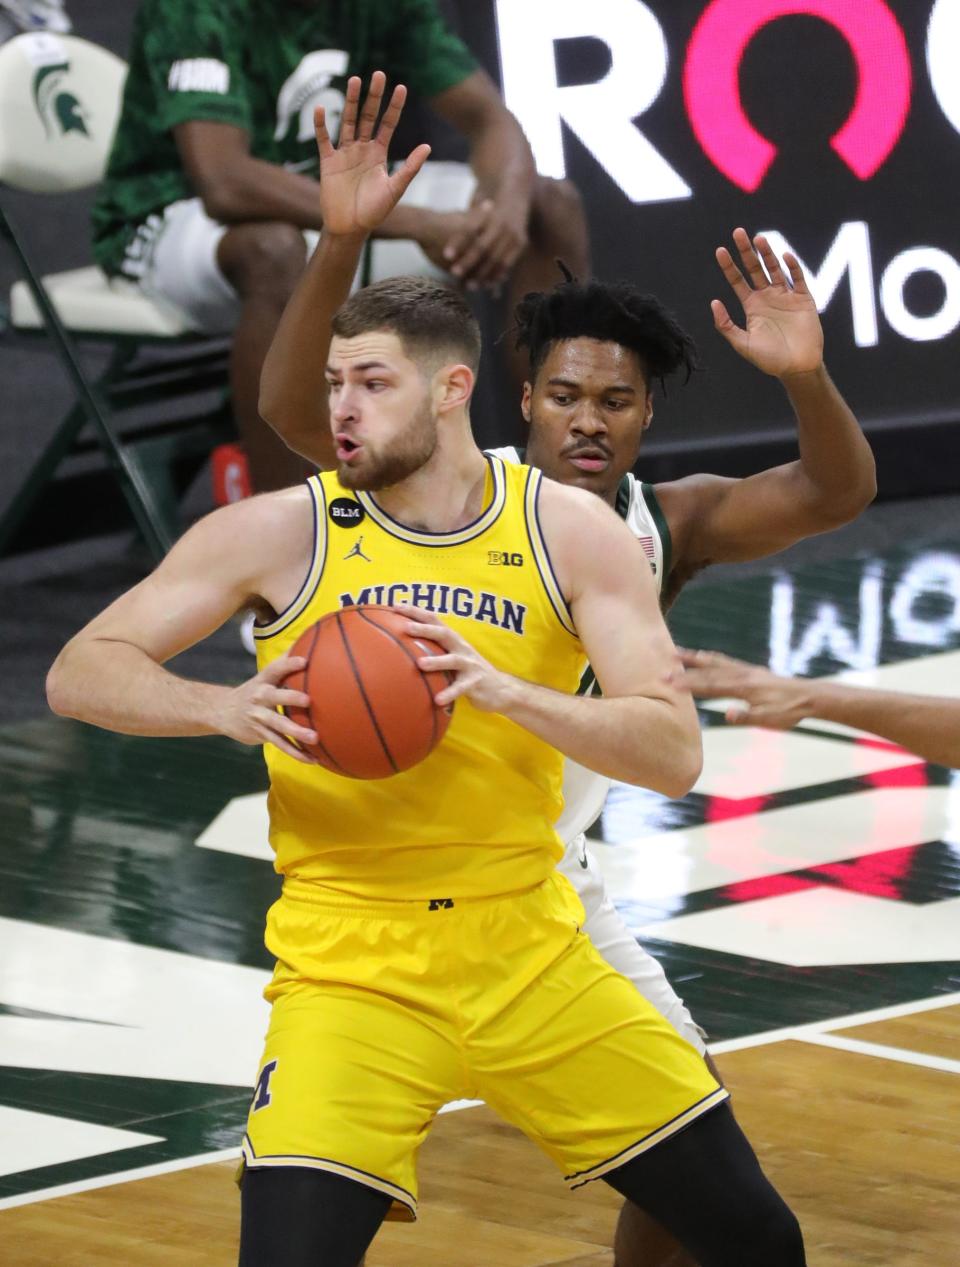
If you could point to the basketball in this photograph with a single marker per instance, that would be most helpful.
(370, 704)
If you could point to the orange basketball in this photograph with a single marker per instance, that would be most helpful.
(371, 706)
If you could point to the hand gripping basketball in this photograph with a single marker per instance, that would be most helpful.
(486, 687)
(252, 713)
(370, 707)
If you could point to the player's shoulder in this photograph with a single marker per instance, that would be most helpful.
(685, 504)
(163, 23)
(249, 542)
(506, 453)
(574, 510)
(587, 541)
(639, 506)
(690, 490)
(261, 524)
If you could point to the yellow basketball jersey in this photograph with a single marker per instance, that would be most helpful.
(476, 817)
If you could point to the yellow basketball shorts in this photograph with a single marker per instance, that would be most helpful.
(384, 1012)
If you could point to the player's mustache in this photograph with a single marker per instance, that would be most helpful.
(585, 448)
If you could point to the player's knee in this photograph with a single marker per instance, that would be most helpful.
(558, 221)
(559, 196)
(778, 1236)
(761, 1230)
(263, 258)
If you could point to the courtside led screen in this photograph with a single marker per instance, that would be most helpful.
(833, 125)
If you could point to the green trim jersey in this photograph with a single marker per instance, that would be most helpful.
(260, 66)
(638, 507)
(584, 791)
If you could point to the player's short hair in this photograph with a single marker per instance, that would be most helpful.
(610, 312)
(431, 320)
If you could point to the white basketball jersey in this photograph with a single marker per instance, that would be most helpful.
(584, 791)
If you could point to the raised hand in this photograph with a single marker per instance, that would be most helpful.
(783, 334)
(357, 193)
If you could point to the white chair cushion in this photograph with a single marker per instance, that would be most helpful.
(59, 103)
(87, 300)
(442, 186)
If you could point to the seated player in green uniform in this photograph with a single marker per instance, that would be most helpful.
(211, 182)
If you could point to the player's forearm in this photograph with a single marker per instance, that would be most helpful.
(293, 390)
(257, 190)
(252, 189)
(835, 459)
(923, 724)
(118, 687)
(418, 224)
(502, 161)
(652, 742)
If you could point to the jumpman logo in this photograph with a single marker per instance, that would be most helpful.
(357, 550)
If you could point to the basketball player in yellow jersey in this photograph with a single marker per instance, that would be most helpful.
(426, 947)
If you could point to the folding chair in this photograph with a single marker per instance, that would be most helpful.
(59, 103)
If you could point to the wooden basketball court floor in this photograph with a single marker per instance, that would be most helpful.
(805, 899)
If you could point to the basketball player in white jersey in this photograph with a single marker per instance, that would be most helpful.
(595, 353)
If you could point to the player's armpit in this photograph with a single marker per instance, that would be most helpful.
(715, 519)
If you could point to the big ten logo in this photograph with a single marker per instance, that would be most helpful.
(606, 115)
(504, 559)
(918, 606)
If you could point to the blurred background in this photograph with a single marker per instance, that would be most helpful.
(810, 882)
(833, 125)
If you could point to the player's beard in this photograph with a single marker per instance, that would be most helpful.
(412, 448)
(403, 455)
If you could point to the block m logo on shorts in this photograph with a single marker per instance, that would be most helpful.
(261, 1093)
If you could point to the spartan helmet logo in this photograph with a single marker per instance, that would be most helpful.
(308, 87)
(59, 110)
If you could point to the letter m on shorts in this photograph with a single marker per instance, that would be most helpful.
(261, 1094)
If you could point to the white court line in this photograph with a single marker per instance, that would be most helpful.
(797, 1032)
(834, 1022)
(122, 1176)
(159, 1168)
(901, 1054)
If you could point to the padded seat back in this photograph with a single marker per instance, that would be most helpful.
(87, 302)
(60, 99)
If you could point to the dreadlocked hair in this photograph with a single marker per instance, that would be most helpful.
(611, 313)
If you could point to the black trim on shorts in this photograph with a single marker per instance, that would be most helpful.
(611, 1161)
